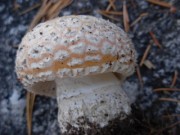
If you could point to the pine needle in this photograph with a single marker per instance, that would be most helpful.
(174, 78)
(112, 12)
(125, 17)
(166, 89)
(16, 6)
(145, 55)
(172, 125)
(30, 98)
(160, 3)
(139, 76)
(111, 5)
(169, 100)
(41, 13)
(30, 8)
(108, 16)
(149, 64)
(155, 40)
(56, 8)
(48, 10)
(138, 19)
(171, 115)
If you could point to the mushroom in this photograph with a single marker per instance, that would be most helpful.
(74, 58)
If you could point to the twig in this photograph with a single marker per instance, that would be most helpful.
(30, 8)
(155, 39)
(145, 54)
(125, 17)
(174, 78)
(166, 89)
(170, 100)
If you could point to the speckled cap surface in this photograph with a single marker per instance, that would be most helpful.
(73, 46)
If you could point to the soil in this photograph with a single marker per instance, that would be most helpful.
(147, 110)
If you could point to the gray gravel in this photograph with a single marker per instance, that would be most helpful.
(164, 24)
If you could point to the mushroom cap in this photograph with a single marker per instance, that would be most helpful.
(73, 46)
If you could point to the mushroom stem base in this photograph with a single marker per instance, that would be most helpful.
(87, 101)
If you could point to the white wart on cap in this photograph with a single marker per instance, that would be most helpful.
(72, 46)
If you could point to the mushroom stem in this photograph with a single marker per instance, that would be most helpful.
(90, 101)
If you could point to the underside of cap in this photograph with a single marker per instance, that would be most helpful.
(47, 88)
(72, 46)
